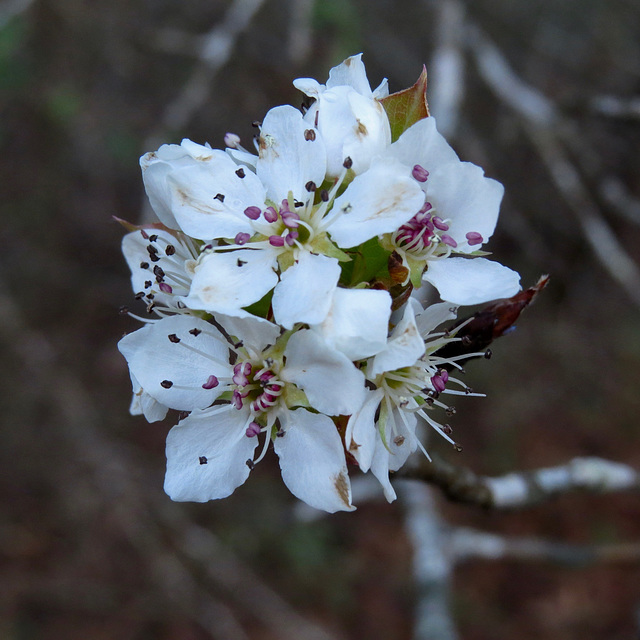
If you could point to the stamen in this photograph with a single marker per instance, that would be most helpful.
(419, 173)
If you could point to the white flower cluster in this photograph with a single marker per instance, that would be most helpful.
(280, 285)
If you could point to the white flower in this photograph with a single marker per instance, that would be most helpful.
(284, 387)
(459, 214)
(162, 266)
(348, 115)
(407, 376)
(289, 226)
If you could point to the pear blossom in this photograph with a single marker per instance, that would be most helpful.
(348, 115)
(282, 283)
(405, 379)
(284, 387)
(162, 265)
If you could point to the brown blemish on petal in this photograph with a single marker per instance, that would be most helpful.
(341, 484)
(361, 130)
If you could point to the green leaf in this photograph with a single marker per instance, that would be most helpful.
(405, 108)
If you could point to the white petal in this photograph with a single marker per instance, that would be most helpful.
(305, 290)
(344, 329)
(153, 358)
(404, 347)
(394, 455)
(352, 126)
(254, 332)
(226, 282)
(330, 380)
(143, 404)
(471, 280)
(134, 248)
(422, 144)
(287, 159)
(461, 194)
(182, 183)
(351, 72)
(433, 316)
(377, 201)
(217, 436)
(208, 198)
(308, 86)
(313, 463)
(362, 434)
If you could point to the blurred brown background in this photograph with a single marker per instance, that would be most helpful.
(90, 547)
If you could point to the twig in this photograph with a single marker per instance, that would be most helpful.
(468, 544)
(432, 566)
(543, 126)
(11, 8)
(446, 76)
(615, 107)
(299, 35)
(215, 52)
(519, 490)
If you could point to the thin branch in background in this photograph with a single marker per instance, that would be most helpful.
(149, 521)
(215, 51)
(524, 489)
(432, 568)
(446, 71)
(300, 37)
(470, 544)
(542, 124)
(615, 107)
(11, 8)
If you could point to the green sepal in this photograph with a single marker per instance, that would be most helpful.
(370, 262)
(285, 260)
(262, 307)
(295, 397)
(382, 424)
(323, 245)
(416, 269)
(405, 108)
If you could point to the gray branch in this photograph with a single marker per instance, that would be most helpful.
(524, 489)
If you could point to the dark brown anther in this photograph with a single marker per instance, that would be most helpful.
(153, 238)
(202, 459)
(256, 123)
(147, 284)
(468, 390)
(316, 120)
(280, 433)
(457, 447)
(154, 258)
(488, 353)
(446, 428)
(348, 163)
(250, 463)
(183, 414)
(466, 340)
(123, 310)
(173, 338)
(241, 263)
(324, 195)
(240, 173)
(297, 203)
(398, 440)
(170, 250)
(144, 234)
(151, 249)
(310, 186)
(166, 384)
(450, 411)
(150, 296)
(144, 265)
(219, 196)
(309, 135)
(158, 272)
(195, 332)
